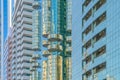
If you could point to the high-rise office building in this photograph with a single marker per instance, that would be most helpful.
(7, 58)
(36, 41)
(56, 32)
(25, 41)
(22, 47)
(96, 43)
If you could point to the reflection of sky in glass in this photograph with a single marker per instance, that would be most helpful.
(54, 15)
(111, 40)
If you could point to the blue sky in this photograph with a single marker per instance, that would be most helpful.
(5, 19)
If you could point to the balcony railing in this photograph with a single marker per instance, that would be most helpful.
(32, 69)
(36, 65)
(69, 49)
(55, 47)
(69, 39)
(69, 29)
(36, 4)
(36, 56)
(55, 37)
(45, 43)
(45, 34)
(46, 53)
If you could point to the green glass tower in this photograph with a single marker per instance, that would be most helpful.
(56, 31)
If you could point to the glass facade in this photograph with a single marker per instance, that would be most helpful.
(36, 17)
(96, 29)
(56, 17)
(36, 41)
(76, 43)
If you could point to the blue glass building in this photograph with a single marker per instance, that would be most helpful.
(96, 44)
(56, 39)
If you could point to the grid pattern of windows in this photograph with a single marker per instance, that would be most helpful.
(90, 68)
(96, 43)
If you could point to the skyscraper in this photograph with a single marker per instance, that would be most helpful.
(36, 41)
(96, 40)
(56, 31)
(22, 36)
(29, 27)
(7, 58)
(21, 53)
